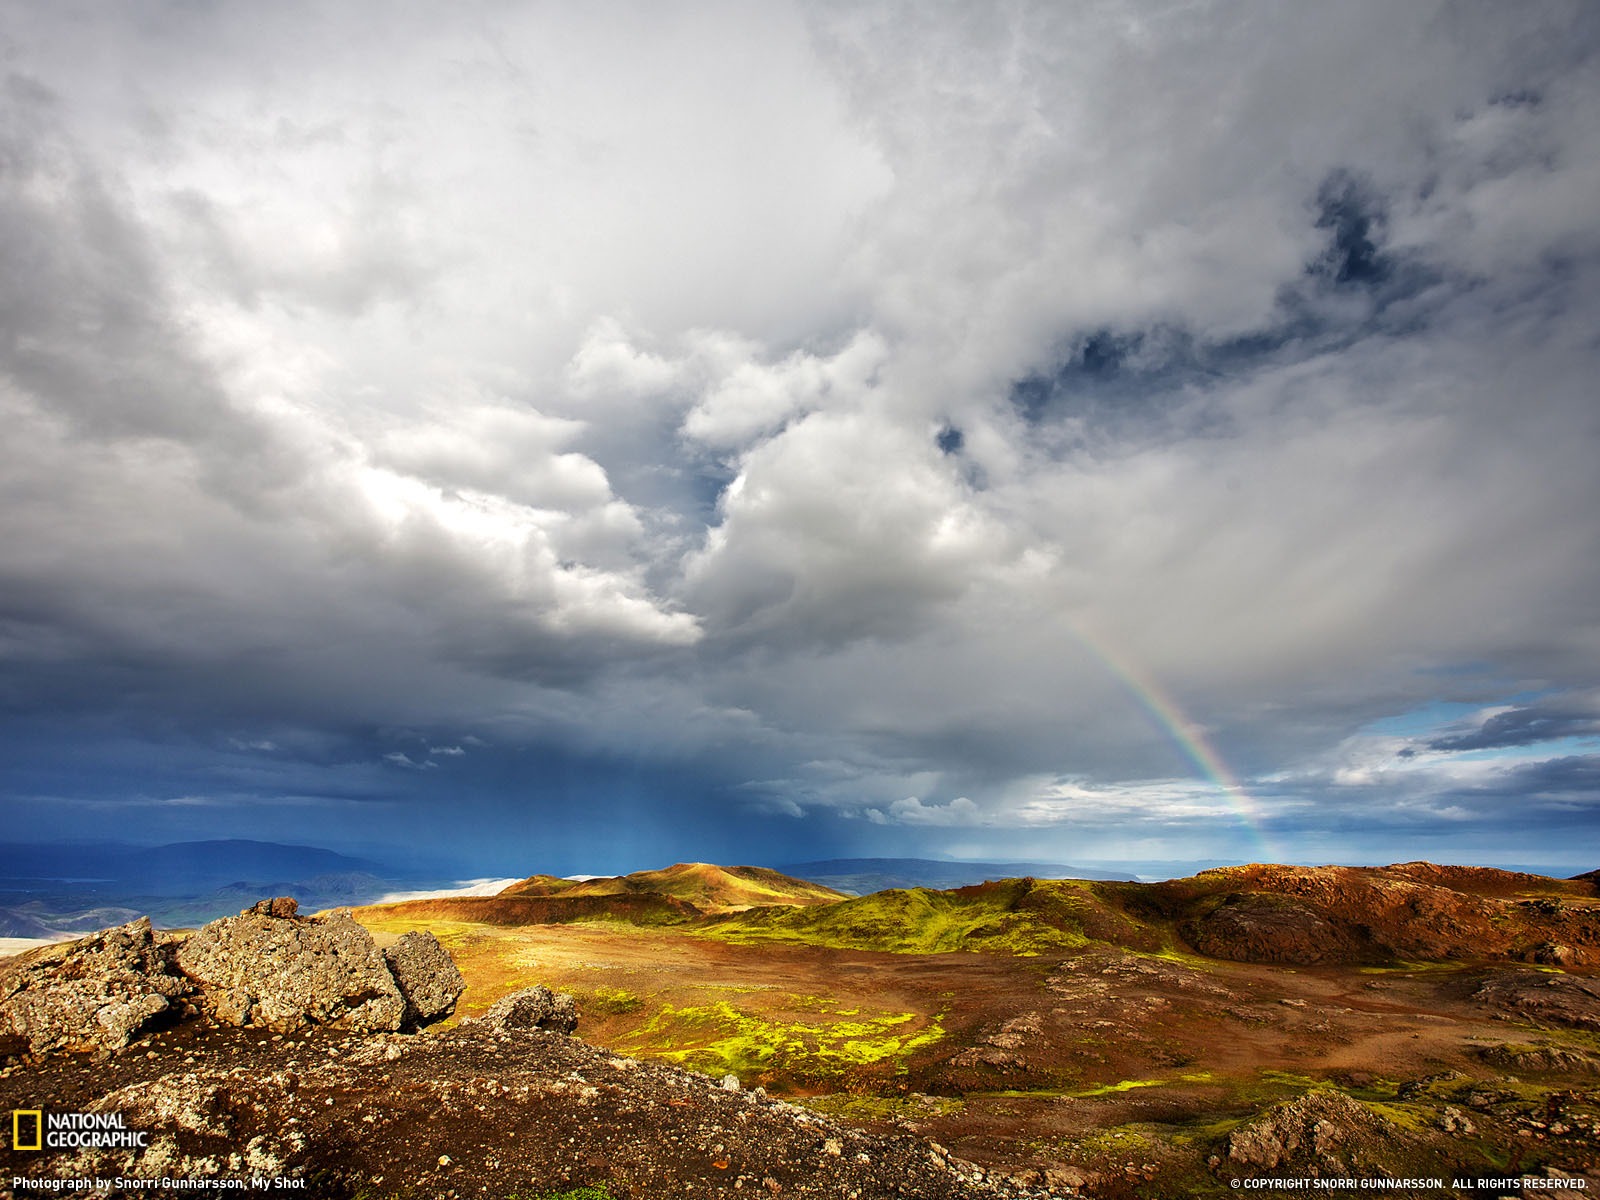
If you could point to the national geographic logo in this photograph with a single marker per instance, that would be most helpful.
(27, 1129)
(35, 1129)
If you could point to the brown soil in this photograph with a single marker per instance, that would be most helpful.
(1077, 1068)
(1110, 1071)
(464, 1112)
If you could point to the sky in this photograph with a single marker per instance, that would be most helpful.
(584, 437)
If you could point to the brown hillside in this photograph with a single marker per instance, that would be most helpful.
(540, 885)
(537, 910)
(710, 888)
(1261, 913)
(1418, 911)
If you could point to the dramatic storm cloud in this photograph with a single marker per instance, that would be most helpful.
(586, 436)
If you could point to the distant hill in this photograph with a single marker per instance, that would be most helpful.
(54, 887)
(189, 865)
(1259, 913)
(1012, 916)
(863, 876)
(176, 869)
(685, 892)
(708, 887)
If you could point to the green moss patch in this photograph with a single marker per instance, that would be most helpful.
(719, 1038)
(610, 1001)
(1023, 917)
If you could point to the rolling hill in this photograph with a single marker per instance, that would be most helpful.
(863, 876)
(1256, 913)
(711, 889)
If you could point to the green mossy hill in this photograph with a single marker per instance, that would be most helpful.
(1012, 916)
(709, 888)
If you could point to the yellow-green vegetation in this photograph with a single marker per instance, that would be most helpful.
(1410, 967)
(1118, 1142)
(452, 935)
(1015, 916)
(1099, 1089)
(705, 885)
(611, 1001)
(721, 1039)
(1128, 1085)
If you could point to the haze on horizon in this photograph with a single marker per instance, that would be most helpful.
(580, 438)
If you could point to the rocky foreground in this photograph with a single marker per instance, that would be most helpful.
(291, 1049)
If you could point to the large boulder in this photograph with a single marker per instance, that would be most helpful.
(94, 994)
(269, 967)
(427, 977)
(533, 1008)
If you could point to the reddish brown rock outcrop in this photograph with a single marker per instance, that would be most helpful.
(1363, 914)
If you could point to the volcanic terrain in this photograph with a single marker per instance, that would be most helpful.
(1094, 1037)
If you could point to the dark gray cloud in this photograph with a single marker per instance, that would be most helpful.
(962, 427)
(1547, 721)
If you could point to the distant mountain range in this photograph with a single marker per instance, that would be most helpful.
(178, 869)
(50, 889)
(863, 876)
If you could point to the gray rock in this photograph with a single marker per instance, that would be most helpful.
(426, 975)
(284, 972)
(1541, 1058)
(97, 993)
(1550, 998)
(1319, 1129)
(534, 1008)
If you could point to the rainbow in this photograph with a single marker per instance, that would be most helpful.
(1185, 734)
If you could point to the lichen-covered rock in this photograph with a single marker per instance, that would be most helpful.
(426, 975)
(1541, 1058)
(283, 972)
(1327, 1131)
(1547, 997)
(534, 1008)
(97, 993)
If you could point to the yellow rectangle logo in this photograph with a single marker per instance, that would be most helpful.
(21, 1121)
